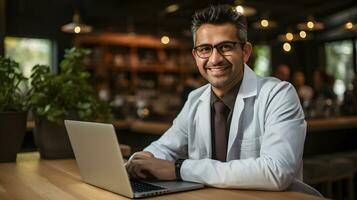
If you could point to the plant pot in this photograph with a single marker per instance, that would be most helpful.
(52, 139)
(12, 130)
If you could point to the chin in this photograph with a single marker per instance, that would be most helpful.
(218, 84)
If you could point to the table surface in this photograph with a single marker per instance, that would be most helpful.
(32, 178)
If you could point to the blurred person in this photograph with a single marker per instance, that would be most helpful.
(239, 130)
(323, 85)
(304, 91)
(324, 104)
(282, 72)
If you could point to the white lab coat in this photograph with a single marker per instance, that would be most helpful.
(266, 137)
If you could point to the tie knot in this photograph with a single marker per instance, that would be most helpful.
(219, 107)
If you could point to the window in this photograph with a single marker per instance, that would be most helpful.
(339, 57)
(29, 52)
(262, 56)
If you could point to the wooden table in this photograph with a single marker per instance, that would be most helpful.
(34, 179)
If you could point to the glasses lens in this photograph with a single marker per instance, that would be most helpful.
(204, 51)
(226, 47)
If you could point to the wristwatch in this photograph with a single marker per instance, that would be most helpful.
(178, 165)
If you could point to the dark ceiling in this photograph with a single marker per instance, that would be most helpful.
(146, 16)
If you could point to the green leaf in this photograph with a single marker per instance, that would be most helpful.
(57, 95)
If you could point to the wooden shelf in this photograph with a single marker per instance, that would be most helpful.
(343, 122)
(137, 54)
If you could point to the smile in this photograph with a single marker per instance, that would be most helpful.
(217, 71)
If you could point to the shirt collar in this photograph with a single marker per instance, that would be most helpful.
(228, 99)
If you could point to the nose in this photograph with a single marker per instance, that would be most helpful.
(216, 58)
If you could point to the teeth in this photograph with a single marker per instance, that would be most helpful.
(216, 69)
(219, 68)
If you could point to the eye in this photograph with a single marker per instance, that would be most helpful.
(226, 47)
(204, 49)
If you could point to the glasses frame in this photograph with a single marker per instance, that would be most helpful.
(215, 47)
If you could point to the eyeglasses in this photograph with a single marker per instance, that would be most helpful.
(225, 49)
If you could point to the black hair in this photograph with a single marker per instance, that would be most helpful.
(220, 14)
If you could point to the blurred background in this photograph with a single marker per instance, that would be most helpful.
(141, 61)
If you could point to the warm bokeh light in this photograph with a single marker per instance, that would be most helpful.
(286, 47)
(165, 39)
(302, 34)
(172, 8)
(77, 29)
(264, 23)
(289, 36)
(310, 24)
(349, 25)
(240, 9)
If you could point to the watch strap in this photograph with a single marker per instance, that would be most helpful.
(178, 165)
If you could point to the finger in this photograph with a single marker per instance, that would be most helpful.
(142, 168)
(126, 164)
(140, 174)
(140, 156)
(138, 171)
(130, 169)
(148, 154)
(133, 173)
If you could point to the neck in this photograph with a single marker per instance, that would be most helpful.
(220, 92)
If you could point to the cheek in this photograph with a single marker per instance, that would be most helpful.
(200, 63)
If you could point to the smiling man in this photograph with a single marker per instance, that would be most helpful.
(238, 131)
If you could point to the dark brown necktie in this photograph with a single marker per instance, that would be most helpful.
(220, 123)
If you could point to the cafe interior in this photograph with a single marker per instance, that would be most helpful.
(135, 59)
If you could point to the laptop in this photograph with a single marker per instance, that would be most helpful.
(100, 162)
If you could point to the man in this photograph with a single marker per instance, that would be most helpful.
(256, 142)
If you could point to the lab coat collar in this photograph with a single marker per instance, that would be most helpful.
(248, 89)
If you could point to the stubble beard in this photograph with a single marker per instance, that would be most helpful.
(226, 80)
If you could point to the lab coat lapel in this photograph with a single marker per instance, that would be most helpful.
(247, 89)
(203, 118)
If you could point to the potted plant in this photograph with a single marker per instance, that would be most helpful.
(13, 112)
(67, 95)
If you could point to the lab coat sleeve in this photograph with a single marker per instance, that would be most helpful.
(280, 154)
(172, 145)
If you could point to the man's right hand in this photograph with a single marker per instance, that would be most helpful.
(134, 171)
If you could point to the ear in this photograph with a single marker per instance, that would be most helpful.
(194, 55)
(193, 52)
(247, 50)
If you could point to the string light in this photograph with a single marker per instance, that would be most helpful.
(286, 47)
(264, 23)
(310, 24)
(289, 36)
(165, 39)
(302, 34)
(77, 29)
(240, 9)
(349, 25)
(172, 8)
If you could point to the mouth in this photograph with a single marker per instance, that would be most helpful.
(217, 71)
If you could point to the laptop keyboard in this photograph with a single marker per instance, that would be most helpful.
(139, 186)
